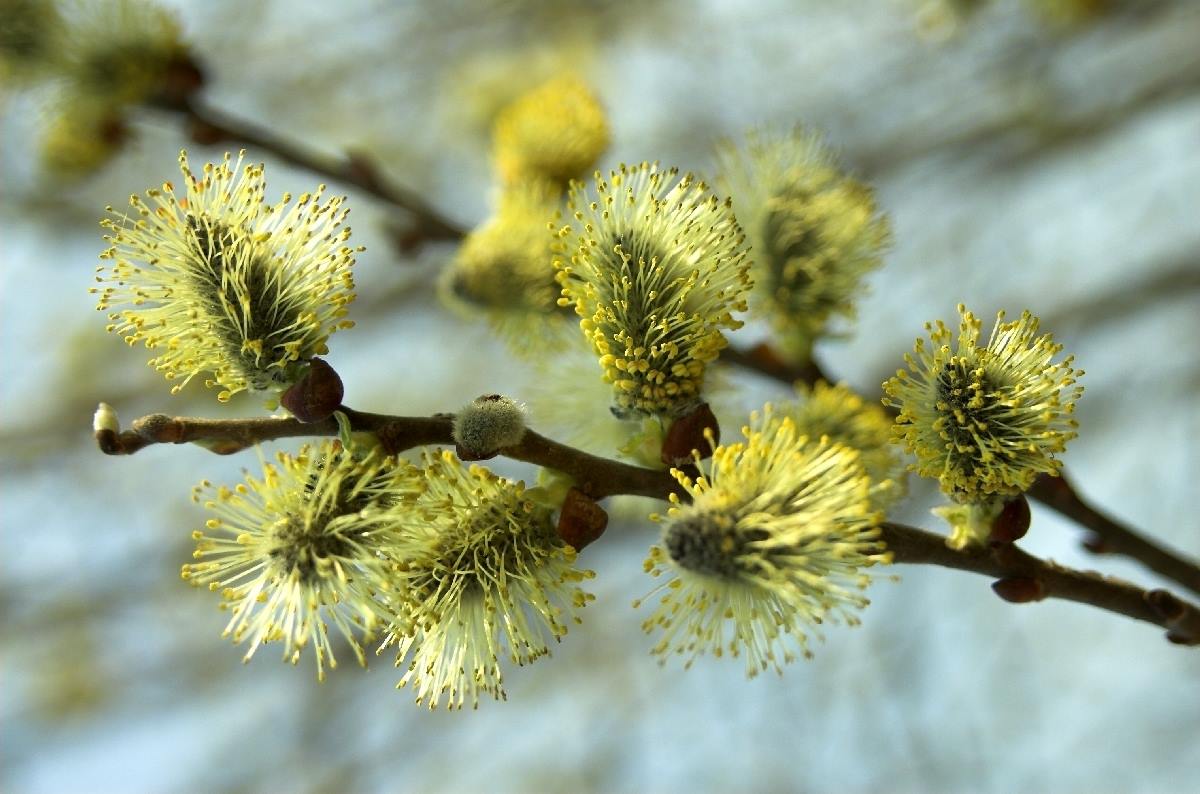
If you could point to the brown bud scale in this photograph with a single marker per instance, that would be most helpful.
(1013, 521)
(687, 434)
(316, 395)
(581, 520)
(1019, 589)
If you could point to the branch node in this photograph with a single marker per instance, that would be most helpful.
(1166, 606)
(109, 442)
(158, 428)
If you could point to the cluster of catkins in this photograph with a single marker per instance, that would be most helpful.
(459, 570)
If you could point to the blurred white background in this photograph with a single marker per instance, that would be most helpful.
(1024, 165)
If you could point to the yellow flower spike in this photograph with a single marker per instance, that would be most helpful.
(985, 421)
(1065, 13)
(553, 133)
(310, 547)
(846, 418)
(122, 52)
(205, 286)
(78, 140)
(814, 232)
(504, 269)
(485, 576)
(771, 545)
(30, 38)
(654, 265)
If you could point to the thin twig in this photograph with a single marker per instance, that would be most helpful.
(1021, 577)
(764, 360)
(209, 126)
(1109, 536)
(597, 477)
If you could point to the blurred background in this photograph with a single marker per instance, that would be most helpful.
(1041, 154)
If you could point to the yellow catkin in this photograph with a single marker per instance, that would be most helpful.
(485, 580)
(814, 232)
(553, 133)
(309, 545)
(985, 421)
(773, 542)
(221, 283)
(655, 266)
(504, 270)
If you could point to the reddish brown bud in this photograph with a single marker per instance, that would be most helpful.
(1012, 523)
(113, 131)
(205, 133)
(582, 520)
(316, 395)
(1166, 605)
(1095, 544)
(1019, 589)
(687, 433)
(182, 78)
(469, 454)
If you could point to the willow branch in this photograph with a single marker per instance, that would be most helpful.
(1020, 576)
(1108, 535)
(596, 476)
(209, 126)
(764, 360)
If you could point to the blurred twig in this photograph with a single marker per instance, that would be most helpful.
(764, 360)
(1020, 576)
(1109, 536)
(208, 126)
(1169, 279)
(1053, 122)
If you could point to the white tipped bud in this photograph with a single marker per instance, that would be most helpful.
(487, 425)
(105, 418)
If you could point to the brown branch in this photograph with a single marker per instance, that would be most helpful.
(1021, 577)
(764, 360)
(1109, 536)
(210, 126)
(222, 436)
(597, 477)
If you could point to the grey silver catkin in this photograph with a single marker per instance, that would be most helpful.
(489, 423)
